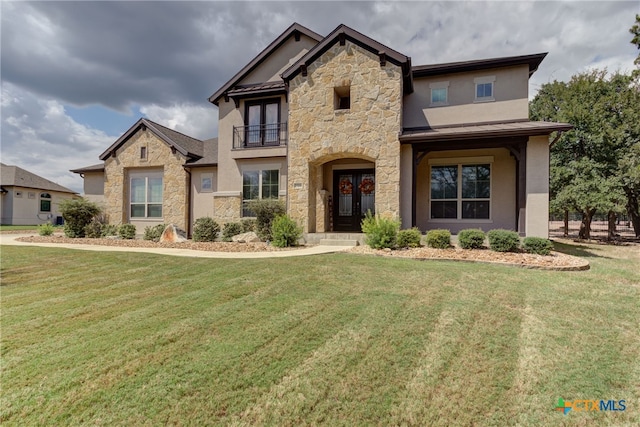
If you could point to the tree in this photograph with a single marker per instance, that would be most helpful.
(589, 172)
(635, 30)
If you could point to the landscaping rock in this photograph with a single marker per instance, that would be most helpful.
(171, 234)
(249, 237)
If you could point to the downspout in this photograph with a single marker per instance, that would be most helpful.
(189, 201)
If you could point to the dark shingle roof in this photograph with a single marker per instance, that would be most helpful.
(93, 168)
(16, 176)
(184, 144)
(533, 61)
(210, 157)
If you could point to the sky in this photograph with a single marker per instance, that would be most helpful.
(77, 75)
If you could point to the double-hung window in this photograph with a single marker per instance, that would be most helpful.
(484, 88)
(461, 191)
(146, 195)
(262, 121)
(259, 184)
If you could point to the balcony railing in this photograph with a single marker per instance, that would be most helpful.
(257, 136)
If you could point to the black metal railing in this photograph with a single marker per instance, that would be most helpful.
(256, 136)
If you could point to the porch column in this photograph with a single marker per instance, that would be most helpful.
(522, 188)
(407, 186)
(537, 190)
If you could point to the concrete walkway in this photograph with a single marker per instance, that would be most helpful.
(10, 239)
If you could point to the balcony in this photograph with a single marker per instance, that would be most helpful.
(260, 136)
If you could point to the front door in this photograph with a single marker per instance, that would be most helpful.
(354, 195)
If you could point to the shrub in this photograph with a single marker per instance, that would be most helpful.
(409, 238)
(46, 229)
(503, 240)
(266, 210)
(231, 229)
(154, 232)
(471, 239)
(380, 232)
(93, 230)
(205, 229)
(439, 238)
(127, 231)
(537, 245)
(109, 230)
(77, 213)
(248, 225)
(285, 232)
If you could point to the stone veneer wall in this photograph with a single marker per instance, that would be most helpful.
(227, 209)
(159, 157)
(368, 130)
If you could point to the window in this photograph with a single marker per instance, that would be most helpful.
(262, 120)
(146, 195)
(143, 153)
(342, 98)
(259, 185)
(484, 88)
(45, 202)
(439, 93)
(206, 183)
(32, 195)
(461, 191)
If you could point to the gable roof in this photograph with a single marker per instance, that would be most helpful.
(343, 32)
(533, 61)
(16, 176)
(93, 168)
(184, 144)
(294, 30)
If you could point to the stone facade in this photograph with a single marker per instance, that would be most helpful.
(159, 158)
(320, 133)
(227, 208)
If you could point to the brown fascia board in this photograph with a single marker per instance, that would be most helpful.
(132, 130)
(533, 61)
(357, 38)
(295, 27)
(92, 168)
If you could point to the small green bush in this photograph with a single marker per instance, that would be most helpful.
(409, 238)
(380, 232)
(127, 231)
(503, 240)
(231, 229)
(248, 225)
(439, 238)
(205, 229)
(77, 214)
(93, 230)
(537, 245)
(285, 232)
(471, 239)
(109, 230)
(154, 232)
(46, 229)
(266, 210)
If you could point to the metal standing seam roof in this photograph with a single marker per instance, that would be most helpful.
(482, 130)
(533, 61)
(18, 177)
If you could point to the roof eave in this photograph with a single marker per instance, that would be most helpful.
(533, 61)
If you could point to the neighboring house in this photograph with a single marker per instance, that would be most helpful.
(28, 199)
(339, 125)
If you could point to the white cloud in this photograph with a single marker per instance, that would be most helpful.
(194, 120)
(39, 136)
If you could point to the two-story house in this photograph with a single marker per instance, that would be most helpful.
(340, 125)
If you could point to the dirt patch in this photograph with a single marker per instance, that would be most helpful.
(555, 261)
(196, 246)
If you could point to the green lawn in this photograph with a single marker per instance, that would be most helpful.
(139, 339)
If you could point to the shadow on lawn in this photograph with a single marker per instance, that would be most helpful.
(578, 250)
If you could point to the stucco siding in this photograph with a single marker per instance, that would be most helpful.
(537, 212)
(25, 209)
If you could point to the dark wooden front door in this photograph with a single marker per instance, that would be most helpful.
(354, 194)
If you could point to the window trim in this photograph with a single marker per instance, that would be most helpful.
(484, 80)
(259, 170)
(460, 162)
(437, 86)
(146, 175)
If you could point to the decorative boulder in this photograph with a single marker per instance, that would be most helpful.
(246, 237)
(171, 234)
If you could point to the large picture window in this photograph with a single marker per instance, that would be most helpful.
(146, 195)
(259, 184)
(461, 191)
